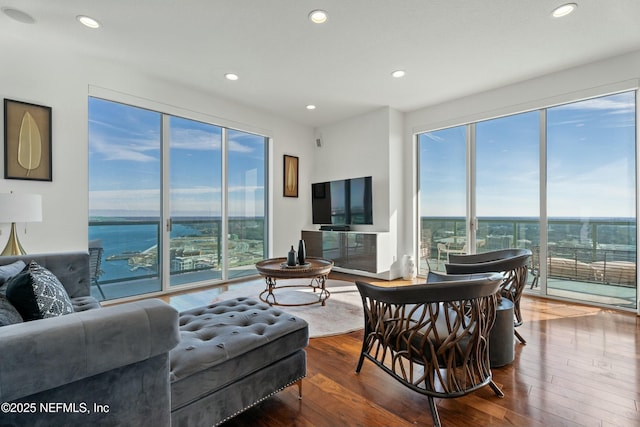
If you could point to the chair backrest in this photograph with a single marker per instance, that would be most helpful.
(493, 261)
(439, 288)
(441, 326)
(514, 263)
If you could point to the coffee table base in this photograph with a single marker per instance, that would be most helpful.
(318, 283)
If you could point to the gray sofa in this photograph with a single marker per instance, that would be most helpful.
(141, 363)
(91, 367)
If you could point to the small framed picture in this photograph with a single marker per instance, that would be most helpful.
(27, 141)
(290, 176)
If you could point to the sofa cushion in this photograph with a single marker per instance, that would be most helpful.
(38, 294)
(8, 313)
(10, 270)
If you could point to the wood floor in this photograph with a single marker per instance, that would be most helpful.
(580, 367)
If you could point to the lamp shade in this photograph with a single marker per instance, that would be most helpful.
(20, 207)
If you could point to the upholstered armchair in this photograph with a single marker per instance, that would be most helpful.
(432, 337)
(512, 262)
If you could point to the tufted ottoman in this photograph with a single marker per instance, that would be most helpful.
(232, 355)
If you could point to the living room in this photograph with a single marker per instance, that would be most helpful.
(359, 137)
(63, 77)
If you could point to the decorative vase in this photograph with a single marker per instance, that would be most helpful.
(302, 253)
(409, 268)
(291, 258)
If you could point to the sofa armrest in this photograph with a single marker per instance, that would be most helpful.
(43, 354)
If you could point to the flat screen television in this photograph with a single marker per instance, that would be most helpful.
(343, 202)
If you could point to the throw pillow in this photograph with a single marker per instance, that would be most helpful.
(10, 270)
(8, 313)
(37, 294)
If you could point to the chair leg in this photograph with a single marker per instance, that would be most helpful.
(434, 412)
(299, 389)
(496, 389)
(522, 340)
(359, 366)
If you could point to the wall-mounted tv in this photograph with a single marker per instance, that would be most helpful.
(343, 202)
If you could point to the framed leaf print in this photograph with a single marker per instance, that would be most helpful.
(290, 176)
(27, 141)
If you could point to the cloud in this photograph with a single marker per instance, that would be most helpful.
(238, 147)
(195, 139)
(138, 149)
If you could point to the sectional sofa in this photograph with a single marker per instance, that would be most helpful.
(140, 363)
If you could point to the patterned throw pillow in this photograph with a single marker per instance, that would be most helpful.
(38, 294)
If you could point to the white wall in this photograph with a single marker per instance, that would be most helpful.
(358, 147)
(63, 81)
(368, 145)
(595, 79)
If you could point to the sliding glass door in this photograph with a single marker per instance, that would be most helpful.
(507, 182)
(246, 202)
(195, 201)
(125, 205)
(561, 181)
(172, 201)
(591, 200)
(442, 206)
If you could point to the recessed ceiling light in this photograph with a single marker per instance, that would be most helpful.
(398, 73)
(18, 15)
(563, 10)
(311, 107)
(231, 76)
(87, 21)
(318, 16)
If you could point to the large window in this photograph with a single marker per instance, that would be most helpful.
(195, 200)
(442, 196)
(246, 201)
(591, 198)
(124, 195)
(581, 229)
(160, 204)
(507, 182)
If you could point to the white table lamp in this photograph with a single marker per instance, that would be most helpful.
(18, 208)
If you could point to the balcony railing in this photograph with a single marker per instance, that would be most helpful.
(597, 250)
(131, 246)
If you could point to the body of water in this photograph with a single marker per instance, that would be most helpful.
(125, 239)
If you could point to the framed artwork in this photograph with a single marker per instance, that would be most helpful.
(290, 176)
(27, 141)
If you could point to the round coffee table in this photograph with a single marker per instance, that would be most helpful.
(317, 269)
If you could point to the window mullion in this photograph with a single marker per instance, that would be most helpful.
(225, 199)
(165, 206)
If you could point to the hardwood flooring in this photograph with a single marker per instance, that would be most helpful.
(580, 367)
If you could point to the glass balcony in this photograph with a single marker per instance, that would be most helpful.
(592, 261)
(130, 264)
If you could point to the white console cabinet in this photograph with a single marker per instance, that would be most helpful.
(352, 251)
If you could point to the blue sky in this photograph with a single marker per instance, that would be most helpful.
(125, 160)
(590, 163)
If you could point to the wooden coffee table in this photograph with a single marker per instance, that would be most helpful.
(317, 269)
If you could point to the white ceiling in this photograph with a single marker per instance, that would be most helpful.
(449, 48)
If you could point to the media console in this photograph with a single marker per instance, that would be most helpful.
(335, 228)
(362, 252)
